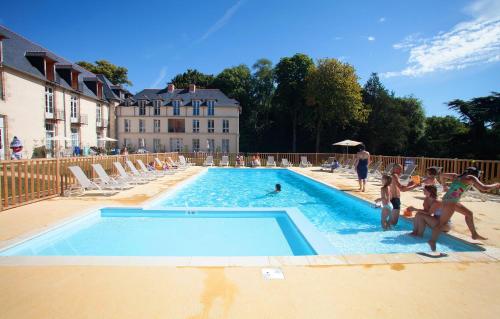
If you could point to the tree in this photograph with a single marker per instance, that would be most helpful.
(290, 75)
(414, 115)
(334, 95)
(192, 77)
(443, 137)
(116, 74)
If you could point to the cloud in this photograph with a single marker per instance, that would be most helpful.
(161, 77)
(381, 20)
(337, 38)
(468, 43)
(370, 38)
(222, 21)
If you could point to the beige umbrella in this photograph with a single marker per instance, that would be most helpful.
(347, 143)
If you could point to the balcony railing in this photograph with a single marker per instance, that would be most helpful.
(56, 116)
(102, 123)
(80, 119)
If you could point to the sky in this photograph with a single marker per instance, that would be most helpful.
(436, 51)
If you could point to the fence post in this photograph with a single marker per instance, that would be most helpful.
(58, 177)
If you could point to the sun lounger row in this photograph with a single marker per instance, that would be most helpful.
(124, 180)
(224, 162)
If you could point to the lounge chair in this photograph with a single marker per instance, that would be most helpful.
(156, 172)
(184, 162)
(209, 161)
(84, 183)
(347, 167)
(387, 170)
(328, 164)
(224, 161)
(131, 179)
(161, 164)
(374, 171)
(285, 163)
(408, 172)
(270, 161)
(177, 165)
(105, 179)
(136, 173)
(304, 162)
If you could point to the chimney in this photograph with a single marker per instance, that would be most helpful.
(192, 88)
(170, 88)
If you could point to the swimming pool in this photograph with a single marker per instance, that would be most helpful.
(194, 232)
(351, 225)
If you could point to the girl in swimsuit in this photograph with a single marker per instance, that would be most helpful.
(429, 216)
(385, 198)
(460, 184)
(362, 162)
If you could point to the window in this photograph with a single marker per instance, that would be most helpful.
(211, 105)
(177, 107)
(142, 142)
(196, 145)
(156, 126)
(126, 125)
(196, 126)
(142, 126)
(1, 82)
(126, 142)
(210, 145)
(49, 133)
(156, 145)
(142, 107)
(225, 126)
(49, 100)
(225, 146)
(176, 145)
(74, 107)
(176, 126)
(196, 108)
(75, 137)
(98, 113)
(211, 126)
(157, 109)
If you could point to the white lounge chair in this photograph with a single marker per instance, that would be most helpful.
(177, 165)
(285, 163)
(328, 164)
(170, 169)
(155, 172)
(133, 170)
(408, 172)
(224, 161)
(105, 179)
(347, 167)
(183, 161)
(84, 183)
(374, 170)
(131, 179)
(304, 162)
(209, 161)
(270, 161)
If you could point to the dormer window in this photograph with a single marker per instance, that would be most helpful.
(177, 107)
(157, 105)
(211, 104)
(142, 107)
(196, 107)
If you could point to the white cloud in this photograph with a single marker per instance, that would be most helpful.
(370, 38)
(468, 43)
(381, 20)
(161, 77)
(222, 21)
(337, 38)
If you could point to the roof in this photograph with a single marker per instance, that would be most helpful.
(16, 49)
(186, 96)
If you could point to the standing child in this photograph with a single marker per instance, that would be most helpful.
(396, 189)
(385, 198)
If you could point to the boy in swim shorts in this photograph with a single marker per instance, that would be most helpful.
(396, 189)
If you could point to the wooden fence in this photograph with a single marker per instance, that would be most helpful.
(26, 181)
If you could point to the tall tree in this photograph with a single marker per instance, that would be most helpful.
(290, 74)
(445, 136)
(192, 77)
(334, 95)
(116, 74)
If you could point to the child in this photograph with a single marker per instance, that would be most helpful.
(277, 188)
(385, 198)
(396, 189)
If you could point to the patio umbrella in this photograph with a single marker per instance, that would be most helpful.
(347, 143)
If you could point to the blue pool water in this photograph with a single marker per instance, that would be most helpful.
(134, 232)
(352, 226)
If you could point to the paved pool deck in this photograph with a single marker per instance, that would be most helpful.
(370, 286)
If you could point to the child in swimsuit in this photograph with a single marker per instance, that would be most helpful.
(460, 185)
(385, 198)
(396, 189)
(429, 216)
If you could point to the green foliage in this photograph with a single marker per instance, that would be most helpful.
(443, 137)
(334, 96)
(39, 152)
(192, 77)
(116, 74)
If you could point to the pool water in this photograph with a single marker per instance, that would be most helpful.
(352, 226)
(135, 232)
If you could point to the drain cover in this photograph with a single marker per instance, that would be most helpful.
(272, 274)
